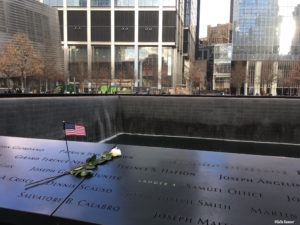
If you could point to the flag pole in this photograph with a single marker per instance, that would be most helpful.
(66, 141)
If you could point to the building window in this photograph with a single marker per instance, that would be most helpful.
(201, 55)
(185, 41)
(222, 83)
(56, 3)
(61, 24)
(78, 62)
(187, 14)
(101, 64)
(167, 67)
(148, 2)
(77, 3)
(148, 66)
(101, 3)
(205, 55)
(148, 26)
(169, 26)
(251, 74)
(77, 29)
(100, 21)
(124, 65)
(124, 3)
(124, 26)
(223, 68)
(169, 3)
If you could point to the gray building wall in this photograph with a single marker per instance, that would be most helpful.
(38, 21)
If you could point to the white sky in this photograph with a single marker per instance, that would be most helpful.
(213, 12)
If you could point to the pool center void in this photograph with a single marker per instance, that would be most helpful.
(243, 125)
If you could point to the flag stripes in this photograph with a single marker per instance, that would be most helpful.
(72, 129)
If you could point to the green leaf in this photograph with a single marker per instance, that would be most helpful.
(104, 155)
(109, 157)
(89, 172)
(100, 161)
(83, 173)
(90, 167)
(77, 173)
(92, 164)
(78, 168)
(91, 159)
(94, 158)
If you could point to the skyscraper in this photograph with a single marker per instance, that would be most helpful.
(231, 10)
(263, 34)
(128, 43)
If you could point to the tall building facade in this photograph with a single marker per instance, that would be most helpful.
(127, 43)
(265, 45)
(231, 11)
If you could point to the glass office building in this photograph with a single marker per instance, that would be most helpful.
(266, 31)
(222, 67)
(127, 43)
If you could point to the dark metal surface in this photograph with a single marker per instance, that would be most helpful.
(171, 186)
(149, 185)
(26, 160)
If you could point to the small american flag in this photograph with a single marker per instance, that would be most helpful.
(72, 129)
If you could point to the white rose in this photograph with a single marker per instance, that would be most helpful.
(115, 152)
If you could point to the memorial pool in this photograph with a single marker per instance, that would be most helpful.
(208, 144)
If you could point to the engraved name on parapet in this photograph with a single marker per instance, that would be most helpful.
(260, 181)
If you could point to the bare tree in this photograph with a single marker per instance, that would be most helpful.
(7, 67)
(101, 75)
(18, 58)
(294, 78)
(78, 73)
(25, 59)
(238, 75)
(50, 73)
(289, 79)
(166, 76)
(283, 81)
(166, 81)
(267, 75)
(196, 77)
(51, 70)
(125, 74)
